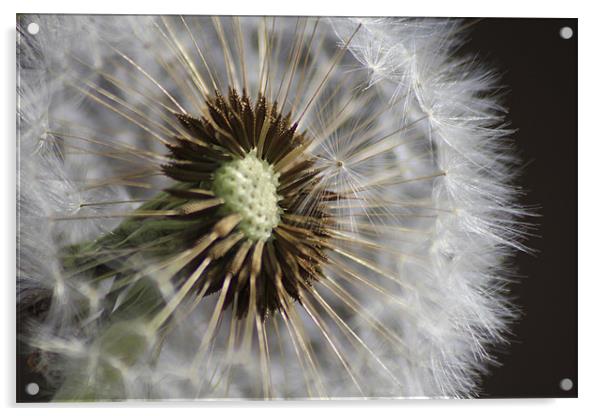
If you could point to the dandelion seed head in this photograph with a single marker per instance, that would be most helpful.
(322, 205)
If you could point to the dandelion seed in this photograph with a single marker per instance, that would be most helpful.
(260, 207)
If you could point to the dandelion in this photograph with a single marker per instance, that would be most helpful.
(260, 207)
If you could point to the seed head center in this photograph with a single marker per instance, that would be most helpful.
(249, 187)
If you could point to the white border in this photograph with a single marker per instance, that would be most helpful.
(590, 202)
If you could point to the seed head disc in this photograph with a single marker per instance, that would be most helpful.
(248, 187)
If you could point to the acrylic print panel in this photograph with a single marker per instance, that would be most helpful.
(295, 207)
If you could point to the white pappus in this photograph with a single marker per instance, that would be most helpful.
(261, 207)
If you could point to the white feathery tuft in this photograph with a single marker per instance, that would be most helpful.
(414, 294)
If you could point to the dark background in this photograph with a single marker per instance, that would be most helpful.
(540, 70)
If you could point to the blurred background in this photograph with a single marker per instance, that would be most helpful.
(538, 60)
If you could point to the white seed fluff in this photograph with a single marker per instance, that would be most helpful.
(413, 295)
